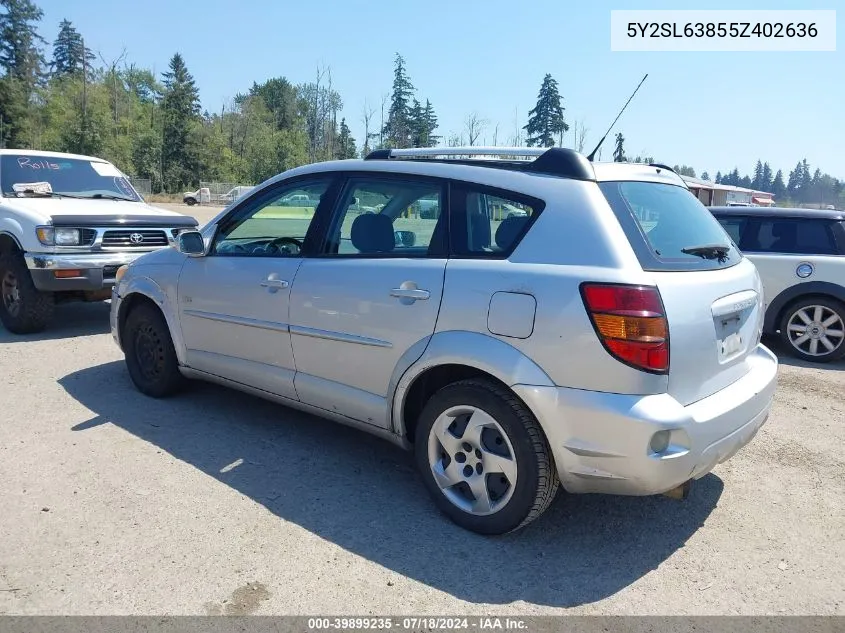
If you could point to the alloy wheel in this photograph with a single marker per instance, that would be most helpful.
(816, 330)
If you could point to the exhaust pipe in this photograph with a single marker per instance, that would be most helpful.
(681, 492)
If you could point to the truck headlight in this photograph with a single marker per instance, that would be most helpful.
(120, 273)
(66, 237)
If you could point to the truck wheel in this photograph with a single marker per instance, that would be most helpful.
(190, 202)
(150, 356)
(484, 457)
(814, 329)
(24, 309)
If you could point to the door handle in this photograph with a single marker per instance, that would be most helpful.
(274, 284)
(414, 294)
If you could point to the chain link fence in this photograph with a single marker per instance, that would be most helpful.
(144, 186)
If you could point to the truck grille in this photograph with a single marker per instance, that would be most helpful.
(134, 239)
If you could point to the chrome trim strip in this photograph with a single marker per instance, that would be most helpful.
(74, 261)
(245, 321)
(97, 245)
(338, 336)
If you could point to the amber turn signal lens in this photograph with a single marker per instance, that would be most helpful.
(67, 274)
(646, 329)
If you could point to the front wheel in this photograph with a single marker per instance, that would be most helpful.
(814, 329)
(484, 458)
(190, 201)
(23, 308)
(150, 355)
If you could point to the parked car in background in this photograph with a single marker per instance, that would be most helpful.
(800, 254)
(200, 196)
(67, 223)
(512, 355)
(203, 195)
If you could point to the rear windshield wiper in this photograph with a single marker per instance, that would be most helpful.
(708, 251)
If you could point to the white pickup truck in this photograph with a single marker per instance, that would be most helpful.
(67, 223)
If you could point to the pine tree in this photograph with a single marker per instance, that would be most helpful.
(735, 179)
(180, 108)
(705, 175)
(397, 129)
(416, 124)
(21, 65)
(793, 185)
(766, 184)
(718, 179)
(778, 189)
(757, 182)
(545, 120)
(619, 150)
(345, 142)
(806, 179)
(69, 53)
(429, 139)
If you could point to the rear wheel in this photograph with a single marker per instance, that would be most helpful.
(150, 355)
(814, 329)
(484, 458)
(23, 308)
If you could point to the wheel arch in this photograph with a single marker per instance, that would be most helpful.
(453, 356)
(780, 304)
(144, 289)
(9, 243)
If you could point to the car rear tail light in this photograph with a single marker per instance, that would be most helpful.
(631, 323)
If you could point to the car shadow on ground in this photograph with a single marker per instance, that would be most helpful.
(785, 357)
(364, 495)
(71, 320)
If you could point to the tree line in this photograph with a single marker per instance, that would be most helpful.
(153, 127)
(801, 187)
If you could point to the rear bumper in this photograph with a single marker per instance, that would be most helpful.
(601, 442)
(96, 270)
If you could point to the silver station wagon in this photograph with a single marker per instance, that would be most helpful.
(522, 319)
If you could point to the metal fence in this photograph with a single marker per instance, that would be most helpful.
(144, 186)
(224, 192)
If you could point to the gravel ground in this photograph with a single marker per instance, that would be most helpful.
(216, 502)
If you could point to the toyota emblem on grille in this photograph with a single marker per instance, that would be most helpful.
(136, 238)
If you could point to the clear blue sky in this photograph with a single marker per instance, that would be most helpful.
(713, 111)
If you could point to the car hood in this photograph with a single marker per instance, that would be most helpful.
(64, 210)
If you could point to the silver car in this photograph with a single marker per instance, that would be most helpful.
(607, 339)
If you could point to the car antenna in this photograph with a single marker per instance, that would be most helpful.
(593, 153)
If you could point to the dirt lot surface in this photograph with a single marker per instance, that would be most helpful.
(217, 502)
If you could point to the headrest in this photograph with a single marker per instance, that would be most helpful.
(373, 233)
(509, 230)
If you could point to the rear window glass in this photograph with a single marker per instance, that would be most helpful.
(662, 221)
(795, 236)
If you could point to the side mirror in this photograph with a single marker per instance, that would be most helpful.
(405, 238)
(191, 243)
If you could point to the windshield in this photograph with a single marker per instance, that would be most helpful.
(28, 175)
(669, 227)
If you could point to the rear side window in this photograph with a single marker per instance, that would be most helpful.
(489, 222)
(793, 236)
(663, 221)
(735, 227)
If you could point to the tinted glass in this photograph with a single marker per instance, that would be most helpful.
(793, 235)
(387, 217)
(670, 219)
(42, 175)
(489, 223)
(735, 227)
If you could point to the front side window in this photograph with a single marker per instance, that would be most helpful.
(489, 223)
(271, 226)
(388, 217)
(35, 176)
(678, 232)
(793, 236)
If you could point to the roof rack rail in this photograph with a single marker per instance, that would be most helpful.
(554, 161)
(661, 166)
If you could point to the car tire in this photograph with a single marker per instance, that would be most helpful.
(477, 424)
(23, 308)
(150, 355)
(811, 325)
(190, 201)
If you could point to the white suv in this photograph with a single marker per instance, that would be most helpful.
(606, 337)
(67, 223)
